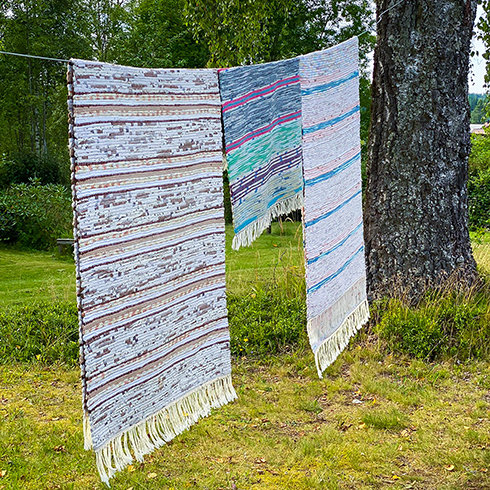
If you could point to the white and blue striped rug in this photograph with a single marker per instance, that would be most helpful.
(333, 231)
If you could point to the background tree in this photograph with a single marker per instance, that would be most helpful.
(158, 37)
(33, 122)
(416, 211)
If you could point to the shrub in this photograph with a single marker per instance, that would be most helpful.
(35, 215)
(22, 168)
(45, 332)
(479, 199)
(444, 324)
(266, 321)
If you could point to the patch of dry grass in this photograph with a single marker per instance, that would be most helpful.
(373, 422)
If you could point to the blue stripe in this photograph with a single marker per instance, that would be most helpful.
(333, 121)
(324, 254)
(340, 206)
(328, 86)
(335, 274)
(336, 170)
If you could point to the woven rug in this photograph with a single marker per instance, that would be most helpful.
(146, 150)
(333, 233)
(262, 128)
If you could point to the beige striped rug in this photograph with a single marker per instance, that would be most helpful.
(150, 254)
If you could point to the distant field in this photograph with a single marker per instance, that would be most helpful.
(29, 275)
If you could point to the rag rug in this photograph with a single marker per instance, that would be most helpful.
(262, 130)
(333, 227)
(146, 155)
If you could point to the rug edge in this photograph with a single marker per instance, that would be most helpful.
(250, 233)
(332, 347)
(159, 428)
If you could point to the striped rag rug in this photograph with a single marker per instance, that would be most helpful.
(261, 106)
(333, 231)
(146, 154)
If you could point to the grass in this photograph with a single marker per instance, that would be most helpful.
(374, 421)
(266, 259)
(413, 425)
(26, 276)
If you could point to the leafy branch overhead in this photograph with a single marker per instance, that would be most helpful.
(253, 31)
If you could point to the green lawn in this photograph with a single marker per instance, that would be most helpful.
(29, 275)
(26, 276)
(375, 421)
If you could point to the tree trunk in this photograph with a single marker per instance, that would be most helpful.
(416, 211)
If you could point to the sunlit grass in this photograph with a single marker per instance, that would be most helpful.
(374, 421)
(287, 430)
(28, 275)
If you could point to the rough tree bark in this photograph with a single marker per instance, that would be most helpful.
(416, 212)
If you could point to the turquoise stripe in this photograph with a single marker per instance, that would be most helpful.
(340, 206)
(322, 283)
(333, 121)
(257, 152)
(333, 172)
(328, 86)
(324, 254)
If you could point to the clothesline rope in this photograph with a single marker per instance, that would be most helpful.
(67, 61)
(35, 57)
(381, 16)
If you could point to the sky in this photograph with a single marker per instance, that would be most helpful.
(477, 72)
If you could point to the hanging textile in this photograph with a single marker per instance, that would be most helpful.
(333, 233)
(262, 127)
(146, 151)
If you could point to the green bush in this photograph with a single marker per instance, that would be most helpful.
(22, 168)
(443, 325)
(44, 332)
(35, 215)
(479, 199)
(266, 321)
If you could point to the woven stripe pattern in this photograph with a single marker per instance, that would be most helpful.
(146, 153)
(262, 128)
(333, 231)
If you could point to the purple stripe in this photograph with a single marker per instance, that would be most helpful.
(263, 175)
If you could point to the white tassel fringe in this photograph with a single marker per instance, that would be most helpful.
(246, 236)
(333, 346)
(160, 427)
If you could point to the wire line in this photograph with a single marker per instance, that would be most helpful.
(36, 57)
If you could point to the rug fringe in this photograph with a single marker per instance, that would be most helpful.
(246, 236)
(160, 427)
(87, 433)
(332, 347)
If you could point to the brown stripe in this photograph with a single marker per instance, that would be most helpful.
(108, 190)
(124, 122)
(161, 108)
(130, 321)
(158, 374)
(169, 342)
(145, 305)
(167, 155)
(137, 253)
(165, 219)
(187, 228)
(135, 94)
(149, 172)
